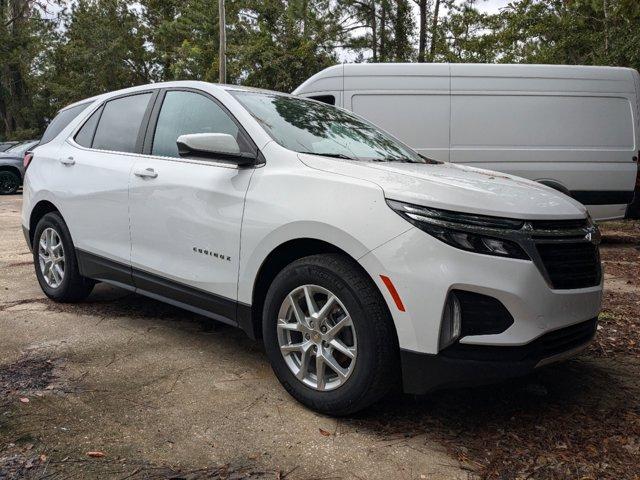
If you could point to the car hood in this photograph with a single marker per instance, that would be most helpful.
(459, 188)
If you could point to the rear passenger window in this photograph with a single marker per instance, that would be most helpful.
(188, 112)
(84, 136)
(61, 120)
(120, 123)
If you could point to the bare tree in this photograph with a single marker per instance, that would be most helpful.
(434, 31)
(223, 43)
(423, 5)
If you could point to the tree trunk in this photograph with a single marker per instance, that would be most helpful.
(422, 40)
(374, 31)
(383, 31)
(222, 75)
(305, 17)
(434, 31)
(605, 8)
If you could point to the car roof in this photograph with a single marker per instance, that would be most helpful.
(177, 83)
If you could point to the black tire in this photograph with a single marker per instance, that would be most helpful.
(9, 182)
(376, 370)
(73, 287)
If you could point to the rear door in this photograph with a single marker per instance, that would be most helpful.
(97, 163)
(186, 213)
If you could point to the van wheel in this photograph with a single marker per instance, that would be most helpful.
(9, 182)
(55, 261)
(329, 336)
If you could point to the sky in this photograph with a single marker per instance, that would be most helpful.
(491, 6)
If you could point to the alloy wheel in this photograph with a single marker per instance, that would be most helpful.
(51, 257)
(317, 337)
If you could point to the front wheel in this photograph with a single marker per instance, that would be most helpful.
(329, 336)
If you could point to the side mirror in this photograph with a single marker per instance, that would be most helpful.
(213, 145)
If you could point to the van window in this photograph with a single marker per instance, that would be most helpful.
(421, 120)
(188, 112)
(328, 99)
(84, 136)
(525, 121)
(120, 123)
(61, 120)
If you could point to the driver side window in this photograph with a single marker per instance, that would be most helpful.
(188, 112)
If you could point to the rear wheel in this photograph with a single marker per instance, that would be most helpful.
(9, 182)
(329, 336)
(55, 261)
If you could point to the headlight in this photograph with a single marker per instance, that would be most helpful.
(474, 233)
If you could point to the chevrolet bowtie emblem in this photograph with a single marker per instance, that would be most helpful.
(593, 237)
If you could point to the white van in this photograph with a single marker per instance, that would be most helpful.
(573, 128)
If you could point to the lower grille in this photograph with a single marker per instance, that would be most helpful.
(571, 265)
(548, 345)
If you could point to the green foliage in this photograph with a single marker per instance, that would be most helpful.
(53, 52)
(103, 49)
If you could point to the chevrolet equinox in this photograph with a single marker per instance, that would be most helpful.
(359, 263)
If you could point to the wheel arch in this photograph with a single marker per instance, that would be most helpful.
(38, 211)
(281, 256)
(555, 185)
(13, 169)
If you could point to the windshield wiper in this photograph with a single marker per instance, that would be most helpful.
(333, 155)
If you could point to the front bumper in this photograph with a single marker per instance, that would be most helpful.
(469, 365)
(425, 270)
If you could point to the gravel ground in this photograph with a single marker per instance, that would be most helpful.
(121, 387)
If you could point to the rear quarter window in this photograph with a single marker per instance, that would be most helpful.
(61, 120)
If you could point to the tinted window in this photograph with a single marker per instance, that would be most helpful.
(328, 99)
(188, 112)
(84, 136)
(61, 120)
(120, 122)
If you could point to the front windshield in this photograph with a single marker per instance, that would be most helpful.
(307, 126)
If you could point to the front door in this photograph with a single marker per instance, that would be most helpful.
(186, 213)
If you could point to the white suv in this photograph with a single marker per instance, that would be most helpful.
(359, 263)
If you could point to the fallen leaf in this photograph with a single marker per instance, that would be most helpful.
(324, 432)
(95, 454)
(43, 458)
(24, 400)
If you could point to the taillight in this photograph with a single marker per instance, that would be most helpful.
(27, 159)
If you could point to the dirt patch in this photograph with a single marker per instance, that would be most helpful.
(619, 330)
(31, 375)
(24, 455)
(29, 466)
(573, 420)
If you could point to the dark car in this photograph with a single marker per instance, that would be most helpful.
(7, 145)
(12, 167)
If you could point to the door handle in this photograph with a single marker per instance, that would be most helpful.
(145, 173)
(67, 161)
